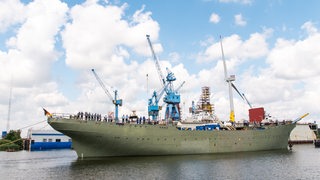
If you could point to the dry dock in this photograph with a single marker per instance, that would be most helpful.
(302, 134)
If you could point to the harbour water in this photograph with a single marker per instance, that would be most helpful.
(303, 162)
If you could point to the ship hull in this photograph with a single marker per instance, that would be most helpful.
(102, 139)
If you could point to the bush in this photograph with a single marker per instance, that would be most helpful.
(4, 141)
(7, 145)
(15, 138)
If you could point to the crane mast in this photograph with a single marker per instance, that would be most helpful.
(162, 80)
(229, 81)
(117, 102)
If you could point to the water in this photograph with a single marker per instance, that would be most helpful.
(303, 162)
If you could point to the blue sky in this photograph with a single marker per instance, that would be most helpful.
(47, 49)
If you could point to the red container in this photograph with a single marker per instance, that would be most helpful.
(256, 114)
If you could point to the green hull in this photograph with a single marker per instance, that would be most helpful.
(102, 139)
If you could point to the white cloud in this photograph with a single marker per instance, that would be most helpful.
(234, 47)
(25, 55)
(174, 57)
(214, 18)
(238, 20)
(28, 58)
(309, 27)
(296, 59)
(51, 99)
(11, 12)
(103, 30)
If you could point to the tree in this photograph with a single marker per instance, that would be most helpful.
(15, 139)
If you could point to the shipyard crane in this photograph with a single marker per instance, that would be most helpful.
(172, 98)
(229, 80)
(115, 101)
(153, 107)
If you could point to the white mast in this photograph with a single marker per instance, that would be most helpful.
(9, 109)
(229, 81)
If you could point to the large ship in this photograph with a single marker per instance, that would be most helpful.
(92, 138)
(204, 133)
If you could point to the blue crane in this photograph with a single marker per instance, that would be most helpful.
(172, 97)
(153, 107)
(115, 101)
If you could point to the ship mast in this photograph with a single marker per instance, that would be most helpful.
(229, 81)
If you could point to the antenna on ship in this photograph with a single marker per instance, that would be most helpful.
(229, 81)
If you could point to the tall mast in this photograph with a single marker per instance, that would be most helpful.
(9, 109)
(229, 81)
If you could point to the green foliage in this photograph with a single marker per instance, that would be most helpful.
(4, 141)
(12, 141)
(13, 135)
(6, 145)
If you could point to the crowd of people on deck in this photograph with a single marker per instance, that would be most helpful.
(87, 116)
(138, 120)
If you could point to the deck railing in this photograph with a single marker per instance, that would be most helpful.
(62, 115)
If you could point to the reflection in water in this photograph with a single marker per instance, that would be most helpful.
(301, 163)
(176, 167)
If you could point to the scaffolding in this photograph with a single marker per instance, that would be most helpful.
(204, 104)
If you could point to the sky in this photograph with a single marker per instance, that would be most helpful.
(48, 48)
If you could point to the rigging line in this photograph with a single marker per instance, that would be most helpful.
(34, 124)
(11, 142)
(44, 126)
